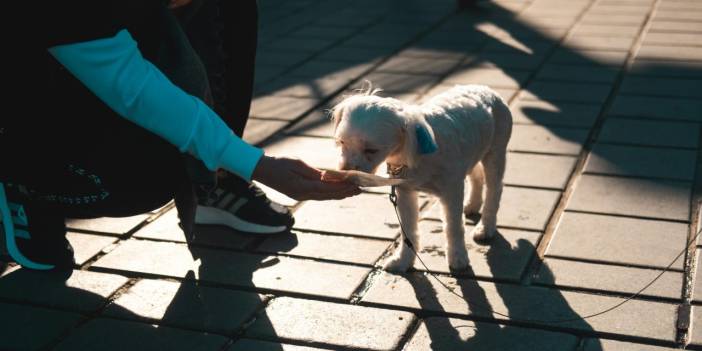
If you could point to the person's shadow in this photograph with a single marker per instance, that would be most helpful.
(486, 331)
(200, 315)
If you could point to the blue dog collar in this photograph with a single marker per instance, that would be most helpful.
(425, 143)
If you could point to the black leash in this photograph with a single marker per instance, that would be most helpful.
(405, 239)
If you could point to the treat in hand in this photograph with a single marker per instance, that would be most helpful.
(361, 179)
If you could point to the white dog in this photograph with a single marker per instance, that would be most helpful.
(434, 146)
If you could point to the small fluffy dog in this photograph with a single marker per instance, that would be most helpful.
(462, 131)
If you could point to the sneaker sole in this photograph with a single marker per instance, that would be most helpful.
(214, 216)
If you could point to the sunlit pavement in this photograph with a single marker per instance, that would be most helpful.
(601, 196)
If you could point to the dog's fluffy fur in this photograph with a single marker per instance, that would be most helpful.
(471, 125)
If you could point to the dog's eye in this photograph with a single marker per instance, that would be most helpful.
(370, 151)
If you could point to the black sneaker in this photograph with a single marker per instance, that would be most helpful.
(39, 245)
(243, 207)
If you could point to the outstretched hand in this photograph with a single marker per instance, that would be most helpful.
(299, 181)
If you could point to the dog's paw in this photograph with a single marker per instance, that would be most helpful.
(482, 233)
(472, 208)
(397, 264)
(457, 258)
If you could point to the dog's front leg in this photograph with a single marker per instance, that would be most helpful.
(404, 257)
(452, 202)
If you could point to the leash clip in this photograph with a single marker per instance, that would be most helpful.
(393, 196)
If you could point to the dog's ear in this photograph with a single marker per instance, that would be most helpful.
(419, 140)
(335, 114)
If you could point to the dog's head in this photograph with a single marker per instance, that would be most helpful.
(370, 129)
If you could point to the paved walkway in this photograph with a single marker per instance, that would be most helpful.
(601, 183)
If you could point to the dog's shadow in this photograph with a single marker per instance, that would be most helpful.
(483, 332)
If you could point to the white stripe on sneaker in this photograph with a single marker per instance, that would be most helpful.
(216, 216)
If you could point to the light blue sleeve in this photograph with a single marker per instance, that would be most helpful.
(116, 72)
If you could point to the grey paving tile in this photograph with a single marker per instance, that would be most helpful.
(506, 93)
(417, 291)
(677, 15)
(633, 197)
(542, 171)
(670, 53)
(680, 5)
(332, 324)
(586, 74)
(552, 20)
(657, 107)
(317, 123)
(258, 130)
(652, 133)
(417, 65)
(620, 240)
(554, 113)
(317, 68)
(110, 334)
(556, 140)
(318, 152)
(437, 333)
(355, 55)
(492, 77)
(251, 344)
(588, 57)
(341, 216)
(593, 276)
(599, 18)
(464, 42)
(603, 42)
(532, 46)
(328, 247)
(526, 208)
(424, 52)
(86, 246)
(400, 82)
(505, 60)
(299, 44)
(284, 58)
(612, 30)
(302, 87)
(167, 227)
(569, 92)
(504, 258)
(264, 73)
(613, 345)
(83, 291)
(640, 161)
(662, 68)
(33, 328)
(186, 305)
(675, 26)
(682, 39)
(519, 208)
(240, 269)
(324, 32)
(641, 8)
(673, 87)
(393, 41)
(697, 289)
(112, 225)
(281, 107)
